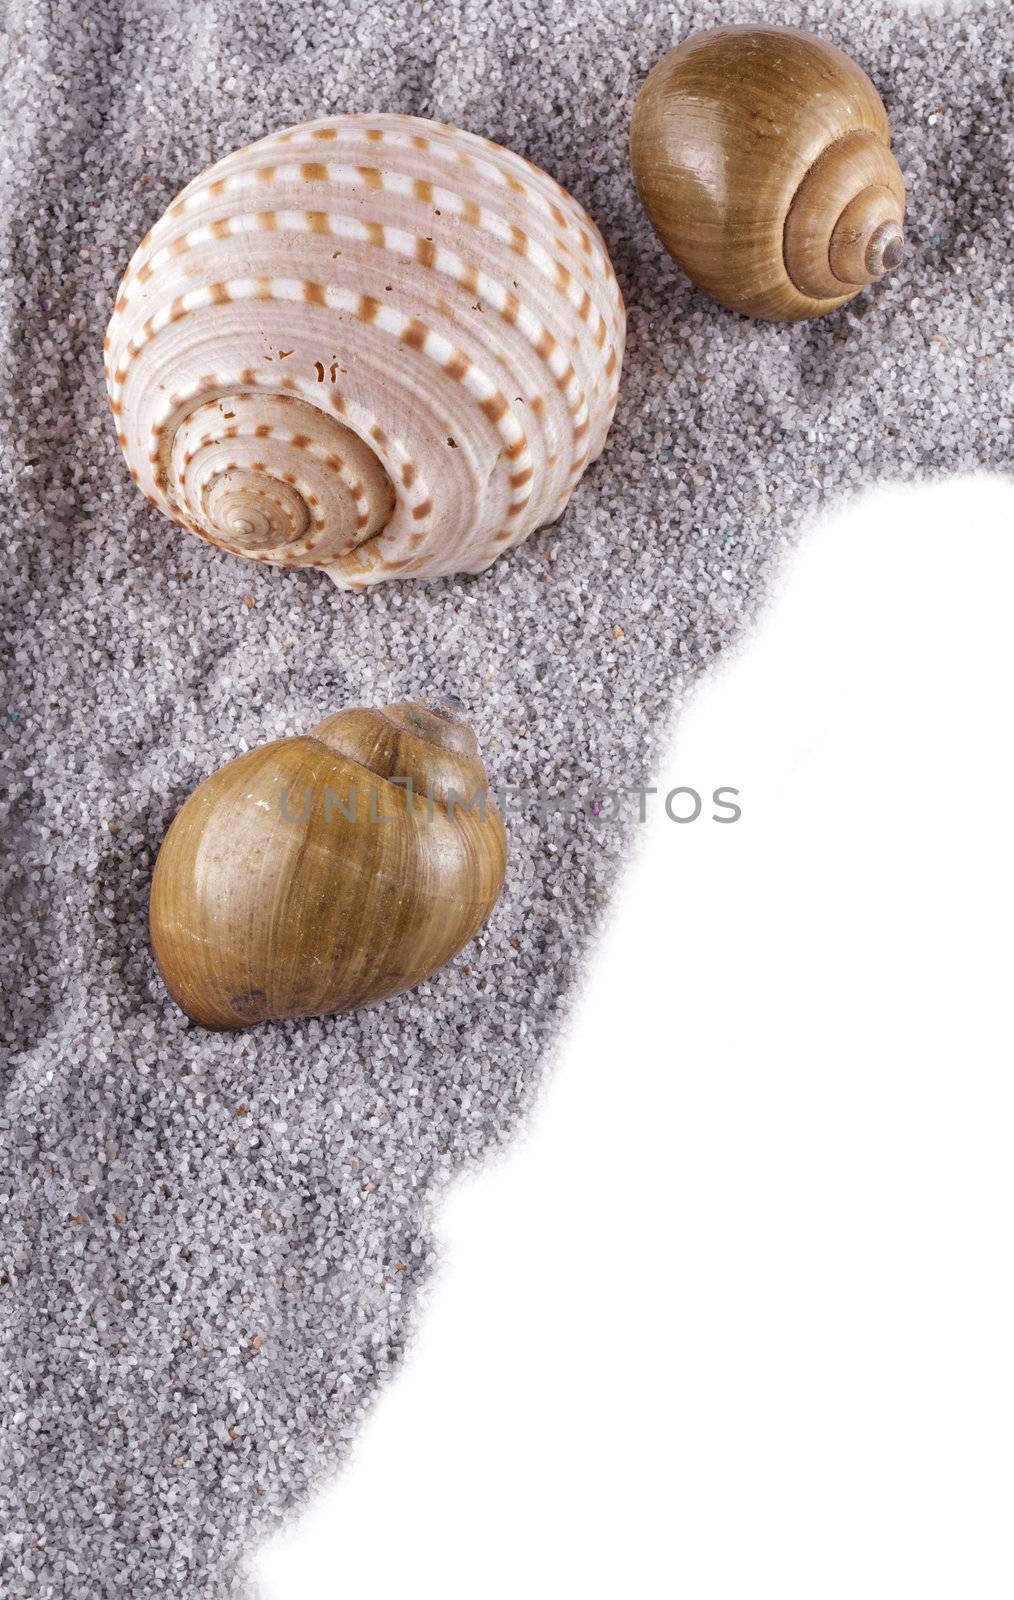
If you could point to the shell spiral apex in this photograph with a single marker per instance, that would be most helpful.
(375, 344)
(762, 156)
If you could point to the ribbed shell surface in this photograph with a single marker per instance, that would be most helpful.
(373, 344)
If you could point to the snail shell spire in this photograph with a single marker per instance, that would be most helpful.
(372, 344)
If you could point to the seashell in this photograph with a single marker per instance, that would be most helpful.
(763, 158)
(321, 873)
(372, 344)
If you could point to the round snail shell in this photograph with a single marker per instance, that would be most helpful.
(316, 874)
(373, 344)
(762, 156)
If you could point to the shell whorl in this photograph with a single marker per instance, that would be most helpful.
(372, 344)
(844, 226)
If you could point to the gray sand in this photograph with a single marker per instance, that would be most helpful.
(211, 1245)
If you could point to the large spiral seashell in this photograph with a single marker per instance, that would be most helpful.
(372, 344)
(763, 158)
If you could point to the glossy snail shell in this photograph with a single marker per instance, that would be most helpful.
(313, 875)
(762, 156)
(373, 344)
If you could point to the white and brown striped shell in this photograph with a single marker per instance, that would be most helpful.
(372, 344)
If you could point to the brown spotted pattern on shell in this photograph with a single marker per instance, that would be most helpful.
(373, 344)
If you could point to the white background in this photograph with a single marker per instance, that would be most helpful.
(735, 1319)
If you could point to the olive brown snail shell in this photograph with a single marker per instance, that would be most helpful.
(373, 344)
(317, 874)
(762, 156)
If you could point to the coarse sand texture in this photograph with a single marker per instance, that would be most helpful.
(210, 1244)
